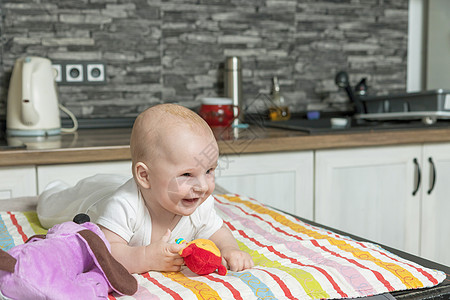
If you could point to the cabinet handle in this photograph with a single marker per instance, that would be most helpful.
(418, 176)
(433, 167)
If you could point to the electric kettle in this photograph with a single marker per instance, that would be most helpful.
(32, 107)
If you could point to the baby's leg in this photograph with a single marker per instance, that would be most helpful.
(60, 203)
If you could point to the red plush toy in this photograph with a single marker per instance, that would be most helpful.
(202, 257)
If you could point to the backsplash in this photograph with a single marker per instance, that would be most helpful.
(173, 51)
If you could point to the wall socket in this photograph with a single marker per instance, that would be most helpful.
(79, 72)
(95, 72)
(74, 73)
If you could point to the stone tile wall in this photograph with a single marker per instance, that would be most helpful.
(173, 51)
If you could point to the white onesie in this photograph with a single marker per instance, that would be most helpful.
(115, 202)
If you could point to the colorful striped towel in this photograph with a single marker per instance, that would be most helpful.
(293, 260)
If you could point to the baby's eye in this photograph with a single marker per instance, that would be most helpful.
(186, 174)
(210, 171)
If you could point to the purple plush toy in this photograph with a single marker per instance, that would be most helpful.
(73, 261)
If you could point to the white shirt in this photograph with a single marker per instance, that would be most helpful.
(115, 203)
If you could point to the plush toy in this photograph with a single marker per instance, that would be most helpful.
(202, 257)
(73, 261)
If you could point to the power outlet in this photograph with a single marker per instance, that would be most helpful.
(57, 69)
(95, 72)
(74, 73)
(79, 72)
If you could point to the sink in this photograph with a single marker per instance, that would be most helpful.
(326, 125)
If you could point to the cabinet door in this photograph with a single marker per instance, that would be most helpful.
(17, 182)
(282, 180)
(72, 173)
(435, 241)
(369, 192)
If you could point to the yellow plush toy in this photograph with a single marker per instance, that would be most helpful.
(202, 257)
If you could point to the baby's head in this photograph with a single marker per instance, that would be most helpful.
(159, 123)
(174, 154)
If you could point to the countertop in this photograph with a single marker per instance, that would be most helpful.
(89, 145)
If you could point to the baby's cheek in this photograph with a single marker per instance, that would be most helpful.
(179, 187)
(211, 183)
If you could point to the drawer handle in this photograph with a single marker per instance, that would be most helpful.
(418, 176)
(433, 167)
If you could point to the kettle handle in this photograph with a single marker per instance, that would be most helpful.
(72, 116)
(29, 115)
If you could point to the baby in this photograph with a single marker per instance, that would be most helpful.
(174, 156)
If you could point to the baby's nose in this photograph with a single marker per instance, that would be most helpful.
(201, 185)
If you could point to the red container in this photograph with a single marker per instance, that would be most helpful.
(218, 112)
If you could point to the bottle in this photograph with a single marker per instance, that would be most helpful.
(278, 111)
(233, 86)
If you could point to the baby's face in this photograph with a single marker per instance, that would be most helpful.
(182, 176)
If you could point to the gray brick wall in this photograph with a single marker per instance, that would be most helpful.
(173, 51)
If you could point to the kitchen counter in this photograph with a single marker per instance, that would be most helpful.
(89, 145)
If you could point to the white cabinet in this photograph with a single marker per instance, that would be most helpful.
(17, 182)
(380, 193)
(398, 196)
(436, 203)
(369, 192)
(72, 173)
(283, 180)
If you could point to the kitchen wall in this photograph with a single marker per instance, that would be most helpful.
(173, 51)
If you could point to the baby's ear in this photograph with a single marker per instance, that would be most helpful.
(142, 177)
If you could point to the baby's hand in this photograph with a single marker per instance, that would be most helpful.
(162, 256)
(235, 259)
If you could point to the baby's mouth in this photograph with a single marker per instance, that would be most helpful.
(191, 200)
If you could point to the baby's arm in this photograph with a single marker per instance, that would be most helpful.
(233, 258)
(158, 256)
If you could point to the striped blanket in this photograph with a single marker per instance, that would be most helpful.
(293, 260)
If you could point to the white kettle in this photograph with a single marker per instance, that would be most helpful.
(32, 107)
